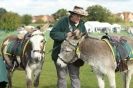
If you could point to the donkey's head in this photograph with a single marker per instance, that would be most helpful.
(37, 42)
(68, 53)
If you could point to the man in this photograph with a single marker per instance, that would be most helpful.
(64, 27)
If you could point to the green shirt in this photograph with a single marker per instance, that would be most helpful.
(59, 32)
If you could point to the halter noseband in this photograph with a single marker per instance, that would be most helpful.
(71, 44)
(27, 38)
(75, 46)
(40, 51)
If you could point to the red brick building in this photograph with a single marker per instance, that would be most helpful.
(126, 16)
(45, 18)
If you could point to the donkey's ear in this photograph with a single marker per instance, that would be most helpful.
(44, 27)
(80, 34)
(84, 34)
(77, 32)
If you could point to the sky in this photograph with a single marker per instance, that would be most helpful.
(48, 7)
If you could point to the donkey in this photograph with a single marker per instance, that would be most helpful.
(27, 55)
(128, 74)
(95, 52)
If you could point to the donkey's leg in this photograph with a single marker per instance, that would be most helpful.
(111, 78)
(10, 79)
(100, 80)
(127, 78)
(36, 78)
(29, 77)
(37, 75)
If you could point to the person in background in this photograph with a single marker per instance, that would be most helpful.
(64, 27)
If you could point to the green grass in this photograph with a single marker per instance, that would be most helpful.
(48, 76)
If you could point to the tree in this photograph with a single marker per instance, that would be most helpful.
(26, 19)
(2, 11)
(98, 13)
(60, 13)
(114, 18)
(10, 21)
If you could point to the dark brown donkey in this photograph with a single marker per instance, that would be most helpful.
(27, 55)
(95, 52)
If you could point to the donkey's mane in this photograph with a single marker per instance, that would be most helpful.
(90, 37)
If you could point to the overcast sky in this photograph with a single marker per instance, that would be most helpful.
(48, 7)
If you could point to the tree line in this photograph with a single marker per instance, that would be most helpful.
(96, 13)
(11, 21)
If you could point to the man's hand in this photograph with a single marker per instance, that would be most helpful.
(77, 32)
(69, 34)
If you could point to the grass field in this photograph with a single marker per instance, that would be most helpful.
(48, 75)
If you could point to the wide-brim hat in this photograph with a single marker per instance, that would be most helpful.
(79, 10)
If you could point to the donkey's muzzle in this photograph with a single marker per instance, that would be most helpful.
(39, 51)
(38, 54)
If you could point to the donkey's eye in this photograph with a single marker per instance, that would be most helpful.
(68, 50)
(42, 41)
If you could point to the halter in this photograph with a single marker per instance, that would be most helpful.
(28, 40)
(71, 43)
(75, 50)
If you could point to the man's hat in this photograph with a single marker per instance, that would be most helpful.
(79, 10)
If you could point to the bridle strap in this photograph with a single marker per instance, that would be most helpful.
(40, 51)
(71, 43)
(29, 35)
(75, 46)
(25, 47)
(62, 60)
(65, 61)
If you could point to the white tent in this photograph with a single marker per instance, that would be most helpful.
(104, 26)
(95, 26)
(91, 26)
(130, 30)
(116, 28)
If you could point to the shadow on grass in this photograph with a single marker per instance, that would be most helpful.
(53, 86)
(18, 87)
(86, 86)
(49, 86)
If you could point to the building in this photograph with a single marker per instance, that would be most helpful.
(45, 18)
(126, 16)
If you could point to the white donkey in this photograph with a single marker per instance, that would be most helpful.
(26, 52)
